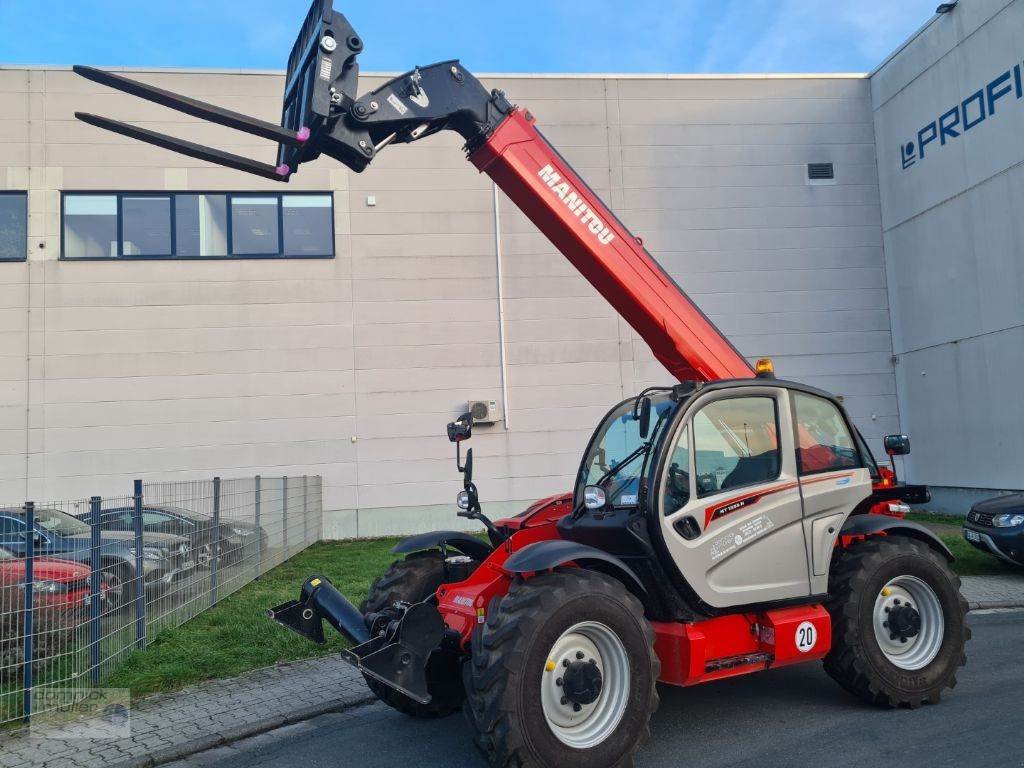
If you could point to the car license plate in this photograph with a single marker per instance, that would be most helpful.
(188, 565)
(973, 536)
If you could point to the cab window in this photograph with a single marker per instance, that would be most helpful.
(736, 444)
(824, 442)
(677, 484)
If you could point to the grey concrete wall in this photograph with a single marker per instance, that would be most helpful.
(351, 367)
(954, 245)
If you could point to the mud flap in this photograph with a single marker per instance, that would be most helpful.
(398, 658)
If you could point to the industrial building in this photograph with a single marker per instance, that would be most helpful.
(161, 317)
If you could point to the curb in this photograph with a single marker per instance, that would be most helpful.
(996, 605)
(231, 735)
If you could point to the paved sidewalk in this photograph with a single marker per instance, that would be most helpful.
(166, 727)
(994, 591)
(171, 726)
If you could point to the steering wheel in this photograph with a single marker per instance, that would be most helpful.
(679, 481)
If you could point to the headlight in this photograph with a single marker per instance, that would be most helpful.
(462, 500)
(1007, 521)
(46, 586)
(149, 553)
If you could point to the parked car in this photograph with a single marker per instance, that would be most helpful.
(165, 557)
(239, 541)
(55, 583)
(996, 526)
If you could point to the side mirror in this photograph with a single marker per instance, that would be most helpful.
(594, 497)
(897, 445)
(461, 429)
(645, 417)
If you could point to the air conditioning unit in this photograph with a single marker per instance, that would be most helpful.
(485, 411)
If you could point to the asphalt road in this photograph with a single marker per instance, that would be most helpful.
(789, 717)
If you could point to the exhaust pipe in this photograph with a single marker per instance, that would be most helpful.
(320, 600)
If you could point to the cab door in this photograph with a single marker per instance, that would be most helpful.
(833, 478)
(733, 522)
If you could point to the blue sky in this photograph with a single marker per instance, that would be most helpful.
(524, 36)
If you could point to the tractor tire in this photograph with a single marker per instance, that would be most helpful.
(413, 580)
(898, 623)
(540, 633)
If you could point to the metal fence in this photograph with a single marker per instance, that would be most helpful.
(84, 583)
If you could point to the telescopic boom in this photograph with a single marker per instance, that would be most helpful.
(321, 115)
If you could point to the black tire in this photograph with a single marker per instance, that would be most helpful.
(504, 675)
(856, 660)
(411, 581)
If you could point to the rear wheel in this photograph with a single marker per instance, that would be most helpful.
(898, 623)
(413, 580)
(563, 674)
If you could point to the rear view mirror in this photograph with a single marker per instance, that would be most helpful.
(645, 417)
(461, 429)
(594, 497)
(897, 445)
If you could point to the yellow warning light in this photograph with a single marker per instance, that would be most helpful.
(315, 583)
(765, 367)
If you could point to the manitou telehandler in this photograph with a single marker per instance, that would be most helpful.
(724, 525)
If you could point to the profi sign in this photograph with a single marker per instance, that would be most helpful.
(968, 114)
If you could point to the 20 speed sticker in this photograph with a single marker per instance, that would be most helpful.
(806, 637)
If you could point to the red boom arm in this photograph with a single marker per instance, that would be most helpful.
(543, 185)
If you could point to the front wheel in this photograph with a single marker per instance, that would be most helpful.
(563, 674)
(898, 623)
(413, 580)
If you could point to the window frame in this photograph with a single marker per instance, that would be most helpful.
(855, 436)
(693, 443)
(119, 195)
(23, 194)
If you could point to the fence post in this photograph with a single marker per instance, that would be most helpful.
(94, 588)
(140, 581)
(284, 514)
(215, 547)
(305, 510)
(30, 542)
(259, 532)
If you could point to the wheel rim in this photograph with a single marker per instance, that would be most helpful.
(204, 555)
(115, 587)
(587, 724)
(908, 622)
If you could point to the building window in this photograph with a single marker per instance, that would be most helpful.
(186, 225)
(13, 226)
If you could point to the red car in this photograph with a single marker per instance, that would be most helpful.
(56, 583)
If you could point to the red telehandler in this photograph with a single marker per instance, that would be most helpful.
(727, 524)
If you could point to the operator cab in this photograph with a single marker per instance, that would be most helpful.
(733, 495)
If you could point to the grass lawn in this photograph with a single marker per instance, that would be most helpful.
(969, 561)
(236, 636)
